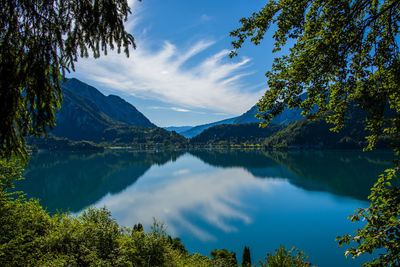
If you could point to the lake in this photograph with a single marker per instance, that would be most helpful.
(218, 198)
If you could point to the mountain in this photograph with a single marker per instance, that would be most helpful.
(291, 132)
(113, 106)
(178, 129)
(81, 119)
(306, 134)
(86, 114)
(288, 116)
(236, 134)
(198, 129)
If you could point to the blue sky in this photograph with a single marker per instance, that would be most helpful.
(180, 73)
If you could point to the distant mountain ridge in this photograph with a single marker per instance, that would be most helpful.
(288, 116)
(291, 131)
(196, 130)
(178, 129)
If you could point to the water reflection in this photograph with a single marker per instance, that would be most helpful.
(72, 181)
(182, 198)
(347, 173)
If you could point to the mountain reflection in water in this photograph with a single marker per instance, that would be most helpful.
(74, 180)
(348, 173)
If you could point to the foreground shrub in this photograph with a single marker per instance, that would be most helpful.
(223, 257)
(285, 258)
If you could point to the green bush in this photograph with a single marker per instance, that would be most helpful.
(285, 258)
(224, 258)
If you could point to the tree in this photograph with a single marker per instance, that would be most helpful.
(39, 42)
(246, 258)
(382, 227)
(285, 258)
(342, 53)
(223, 257)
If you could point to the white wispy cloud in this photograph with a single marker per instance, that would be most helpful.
(205, 17)
(213, 83)
(180, 109)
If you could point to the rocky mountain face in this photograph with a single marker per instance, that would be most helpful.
(81, 119)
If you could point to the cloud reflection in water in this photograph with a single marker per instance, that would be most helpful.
(184, 200)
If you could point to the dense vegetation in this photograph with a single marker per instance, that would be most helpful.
(229, 134)
(39, 42)
(340, 53)
(138, 136)
(55, 143)
(124, 136)
(307, 134)
(316, 134)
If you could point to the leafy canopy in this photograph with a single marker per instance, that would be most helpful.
(285, 258)
(344, 51)
(41, 40)
(382, 227)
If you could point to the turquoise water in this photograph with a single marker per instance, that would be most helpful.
(218, 199)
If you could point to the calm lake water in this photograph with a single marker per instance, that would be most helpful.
(218, 199)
